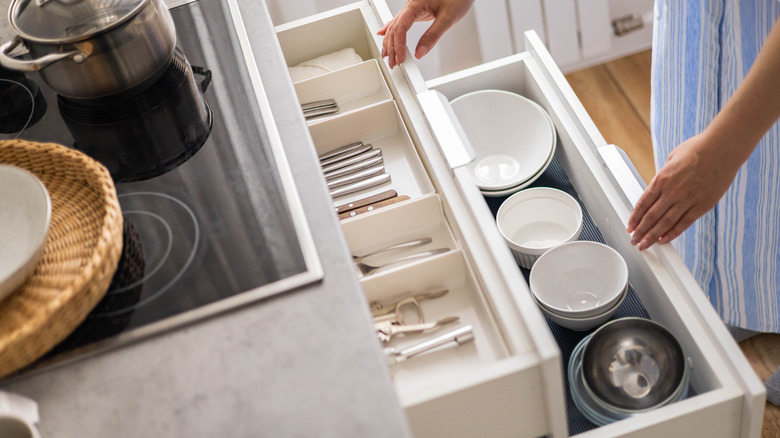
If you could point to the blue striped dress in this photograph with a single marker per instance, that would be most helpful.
(702, 50)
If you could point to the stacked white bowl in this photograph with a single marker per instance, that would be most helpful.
(579, 285)
(513, 138)
(535, 220)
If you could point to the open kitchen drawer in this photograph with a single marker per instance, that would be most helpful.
(510, 381)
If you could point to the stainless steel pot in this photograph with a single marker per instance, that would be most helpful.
(86, 49)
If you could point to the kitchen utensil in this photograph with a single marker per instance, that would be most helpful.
(356, 177)
(366, 269)
(345, 208)
(147, 134)
(633, 365)
(373, 207)
(360, 165)
(319, 112)
(396, 315)
(579, 279)
(362, 185)
(534, 220)
(385, 331)
(344, 155)
(25, 216)
(311, 106)
(511, 136)
(340, 150)
(366, 154)
(91, 48)
(378, 308)
(399, 246)
(454, 338)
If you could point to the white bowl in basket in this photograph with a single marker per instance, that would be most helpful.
(579, 279)
(535, 220)
(25, 215)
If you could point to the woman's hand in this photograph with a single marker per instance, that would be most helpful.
(444, 14)
(694, 178)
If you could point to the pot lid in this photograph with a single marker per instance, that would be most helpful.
(59, 21)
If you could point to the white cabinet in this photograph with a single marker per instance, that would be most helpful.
(510, 380)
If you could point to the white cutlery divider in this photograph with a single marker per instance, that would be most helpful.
(352, 88)
(402, 222)
(381, 126)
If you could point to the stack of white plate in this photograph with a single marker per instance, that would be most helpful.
(513, 139)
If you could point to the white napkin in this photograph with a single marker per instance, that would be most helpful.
(324, 64)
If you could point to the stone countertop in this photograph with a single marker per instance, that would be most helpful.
(301, 364)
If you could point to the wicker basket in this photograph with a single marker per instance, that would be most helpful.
(79, 258)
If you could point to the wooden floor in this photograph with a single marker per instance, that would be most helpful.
(617, 97)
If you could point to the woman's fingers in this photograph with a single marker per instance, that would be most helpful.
(646, 201)
(657, 222)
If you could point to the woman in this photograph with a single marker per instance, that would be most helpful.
(716, 137)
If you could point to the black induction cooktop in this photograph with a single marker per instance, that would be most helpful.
(220, 228)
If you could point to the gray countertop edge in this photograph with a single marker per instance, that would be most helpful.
(301, 364)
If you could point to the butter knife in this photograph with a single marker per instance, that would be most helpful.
(318, 104)
(362, 185)
(347, 154)
(359, 165)
(371, 153)
(339, 150)
(355, 177)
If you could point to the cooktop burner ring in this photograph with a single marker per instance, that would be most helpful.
(166, 260)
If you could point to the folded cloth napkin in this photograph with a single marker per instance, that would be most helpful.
(324, 64)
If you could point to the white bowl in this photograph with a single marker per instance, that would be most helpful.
(512, 137)
(582, 324)
(579, 279)
(25, 214)
(529, 181)
(535, 220)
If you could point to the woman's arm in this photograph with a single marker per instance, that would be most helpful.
(701, 169)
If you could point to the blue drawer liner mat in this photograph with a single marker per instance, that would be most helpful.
(567, 339)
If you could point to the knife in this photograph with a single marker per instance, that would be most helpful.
(356, 177)
(320, 112)
(339, 150)
(371, 153)
(359, 165)
(372, 207)
(365, 201)
(347, 154)
(362, 185)
(318, 104)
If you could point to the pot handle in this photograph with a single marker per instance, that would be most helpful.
(33, 64)
(206, 73)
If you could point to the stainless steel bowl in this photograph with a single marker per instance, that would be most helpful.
(632, 365)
